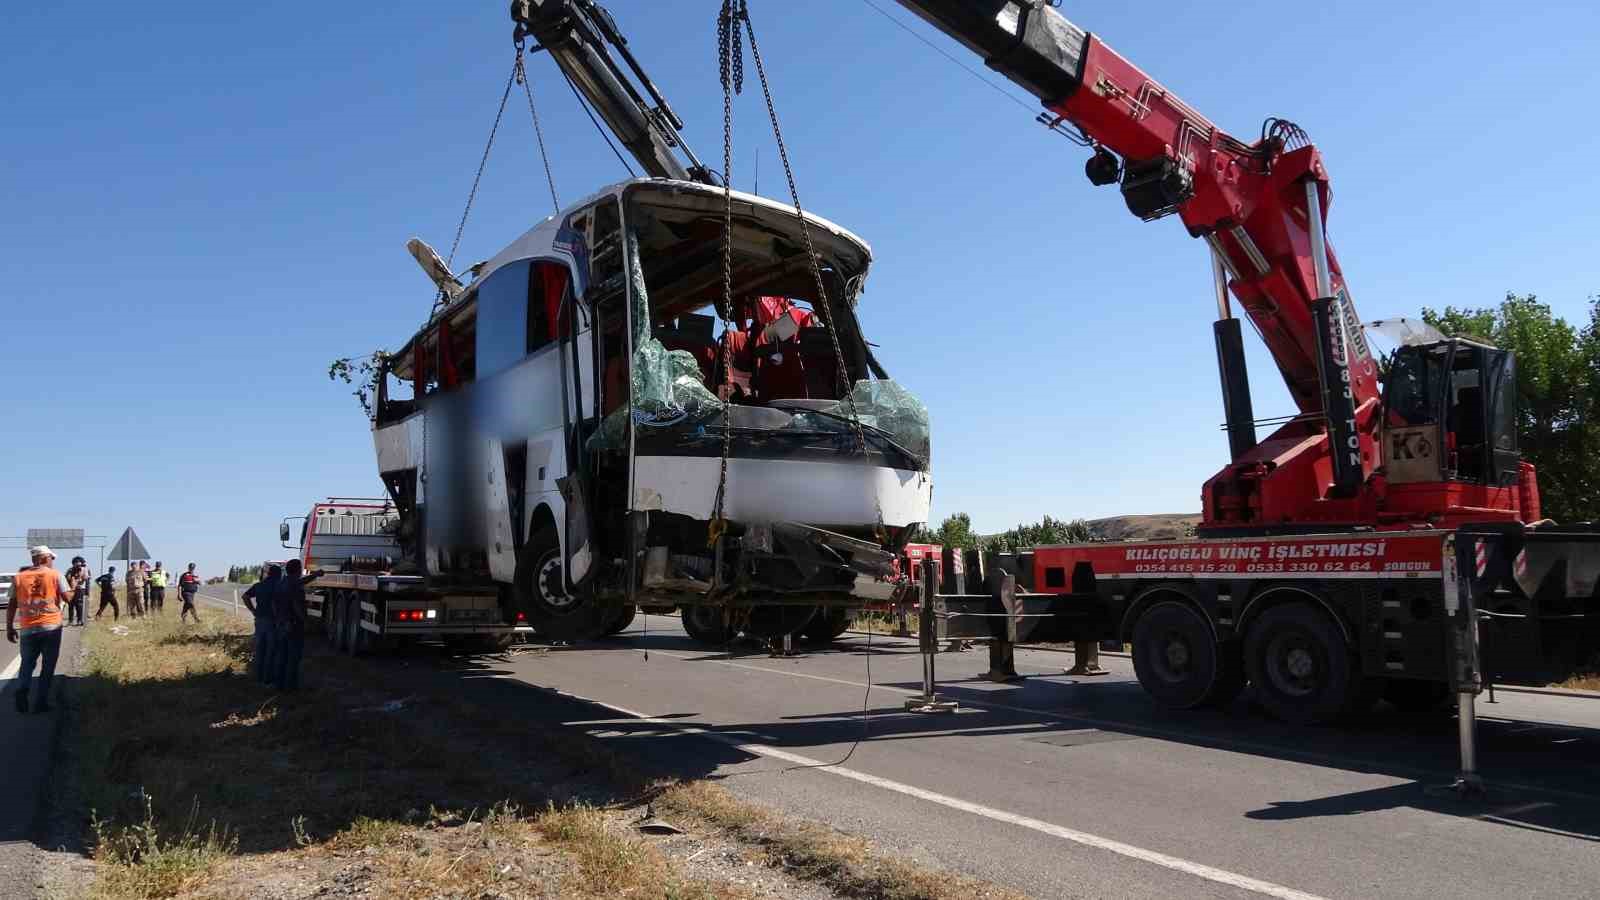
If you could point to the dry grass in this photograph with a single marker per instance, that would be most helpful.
(204, 784)
(184, 762)
(845, 863)
(1586, 682)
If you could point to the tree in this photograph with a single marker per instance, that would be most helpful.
(1558, 390)
(1045, 531)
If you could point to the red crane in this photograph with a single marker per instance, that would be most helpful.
(1440, 449)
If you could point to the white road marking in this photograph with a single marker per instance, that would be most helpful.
(1199, 870)
(12, 668)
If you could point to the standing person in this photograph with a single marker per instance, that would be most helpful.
(136, 586)
(34, 617)
(78, 583)
(188, 586)
(158, 589)
(108, 594)
(258, 599)
(144, 568)
(289, 609)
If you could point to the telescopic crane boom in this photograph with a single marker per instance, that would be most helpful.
(1262, 208)
(580, 36)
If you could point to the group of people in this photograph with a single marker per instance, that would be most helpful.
(146, 590)
(278, 602)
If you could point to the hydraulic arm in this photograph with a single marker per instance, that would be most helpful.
(580, 36)
(1261, 207)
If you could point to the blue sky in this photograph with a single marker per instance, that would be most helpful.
(201, 204)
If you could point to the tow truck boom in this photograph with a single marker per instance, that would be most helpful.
(580, 35)
(1262, 208)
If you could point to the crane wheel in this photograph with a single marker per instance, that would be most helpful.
(541, 594)
(1301, 668)
(1177, 658)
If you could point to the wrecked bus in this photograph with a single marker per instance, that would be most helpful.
(557, 426)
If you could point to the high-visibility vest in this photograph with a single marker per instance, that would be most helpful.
(37, 594)
(158, 578)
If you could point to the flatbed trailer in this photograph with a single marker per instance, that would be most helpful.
(366, 612)
(361, 606)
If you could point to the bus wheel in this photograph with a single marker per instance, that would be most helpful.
(1301, 669)
(770, 622)
(1177, 658)
(827, 625)
(709, 624)
(1411, 695)
(623, 620)
(542, 594)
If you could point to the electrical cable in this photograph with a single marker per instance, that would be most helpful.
(947, 55)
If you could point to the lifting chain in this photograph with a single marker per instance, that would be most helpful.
(521, 76)
(730, 65)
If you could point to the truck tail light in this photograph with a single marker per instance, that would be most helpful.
(407, 615)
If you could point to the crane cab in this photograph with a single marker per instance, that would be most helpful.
(1450, 415)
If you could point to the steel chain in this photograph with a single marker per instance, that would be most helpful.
(811, 250)
(730, 66)
(482, 163)
(521, 75)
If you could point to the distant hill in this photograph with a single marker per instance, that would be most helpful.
(1145, 528)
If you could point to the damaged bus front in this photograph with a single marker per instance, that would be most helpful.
(583, 410)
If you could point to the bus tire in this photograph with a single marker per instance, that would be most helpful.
(709, 624)
(541, 594)
(623, 620)
(828, 624)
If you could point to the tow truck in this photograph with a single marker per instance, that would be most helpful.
(1384, 540)
(360, 604)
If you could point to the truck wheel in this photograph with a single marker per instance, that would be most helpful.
(708, 625)
(495, 643)
(1300, 667)
(827, 625)
(351, 620)
(335, 607)
(542, 594)
(1413, 696)
(1177, 658)
(623, 620)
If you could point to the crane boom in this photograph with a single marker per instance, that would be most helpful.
(1261, 207)
(580, 36)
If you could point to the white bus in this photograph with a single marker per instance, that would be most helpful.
(558, 425)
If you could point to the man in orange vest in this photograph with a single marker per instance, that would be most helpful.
(37, 595)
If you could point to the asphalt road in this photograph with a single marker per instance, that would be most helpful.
(1065, 787)
(25, 742)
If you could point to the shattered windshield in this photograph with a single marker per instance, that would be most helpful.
(771, 347)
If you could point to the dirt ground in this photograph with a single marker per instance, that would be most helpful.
(184, 777)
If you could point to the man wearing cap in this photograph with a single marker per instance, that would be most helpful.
(34, 619)
(136, 586)
(158, 588)
(78, 582)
